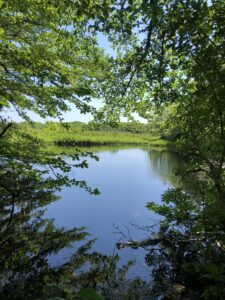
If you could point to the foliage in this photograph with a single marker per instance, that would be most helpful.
(171, 56)
(189, 263)
(48, 58)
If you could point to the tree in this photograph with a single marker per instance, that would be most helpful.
(48, 58)
(172, 53)
(178, 58)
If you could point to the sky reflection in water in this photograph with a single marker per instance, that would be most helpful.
(127, 180)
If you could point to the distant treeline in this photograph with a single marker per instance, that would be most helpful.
(135, 127)
(156, 127)
(82, 134)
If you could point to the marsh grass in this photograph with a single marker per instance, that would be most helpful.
(76, 135)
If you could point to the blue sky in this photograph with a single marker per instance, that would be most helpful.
(70, 116)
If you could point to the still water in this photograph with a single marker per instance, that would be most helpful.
(127, 180)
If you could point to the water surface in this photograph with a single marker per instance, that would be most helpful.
(127, 180)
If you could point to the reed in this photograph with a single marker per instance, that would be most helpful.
(77, 135)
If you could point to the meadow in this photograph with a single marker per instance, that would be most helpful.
(80, 134)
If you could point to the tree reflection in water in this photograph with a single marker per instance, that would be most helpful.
(27, 239)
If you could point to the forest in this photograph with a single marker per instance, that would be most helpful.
(168, 68)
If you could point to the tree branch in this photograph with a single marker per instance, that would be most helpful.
(5, 129)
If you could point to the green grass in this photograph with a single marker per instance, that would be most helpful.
(55, 134)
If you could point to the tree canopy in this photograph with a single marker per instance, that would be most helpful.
(171, 58)
(48, 57)
(172, 53)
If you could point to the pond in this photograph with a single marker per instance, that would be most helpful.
(127, 180)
